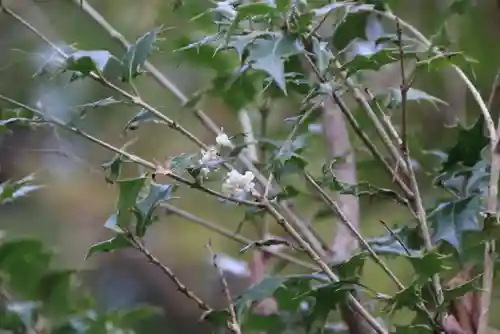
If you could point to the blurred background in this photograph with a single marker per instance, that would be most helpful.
(68, 214)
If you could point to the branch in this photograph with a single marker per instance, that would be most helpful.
(490, 125)
(232, 324)
(353, 302)
(492, 207)
(205, 120)
(417, 199)
(236, 237)
(132, 157)
(167, 271)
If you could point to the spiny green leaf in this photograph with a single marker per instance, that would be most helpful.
(141, 117)
(450, 294)
(12, 190)
(157, 194)
(248, 10)
(429, 264)
(467, 151)
(113, 168)
(85, 62)
(451, 219)
(445, 59)
(17, 316)
(392, 97)
(322, 11)
(17, 116)
(268, 55)
(129, 191)
(459, 7)
(137, 54)
(406, 298)
(118, 242)
(375, 61)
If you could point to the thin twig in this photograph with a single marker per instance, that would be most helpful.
(345, 220)
(236, 237)
(205, 120)
(136, 100)
(354, 303)
(167, 271)
(490, 124)
(361, 134)
(395, 236)
(417, 199)
(232, 324)
(491, 206)
(132, 157)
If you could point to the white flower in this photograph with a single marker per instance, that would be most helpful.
(223, 140)
(238, 185)
(208, 156)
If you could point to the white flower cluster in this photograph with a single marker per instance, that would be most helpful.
(238, 185)
(211, 156)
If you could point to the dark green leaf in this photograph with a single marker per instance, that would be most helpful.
(268, 55)
(157, 194)
(118, 242)
(141, 117)
(375, 61)
(248, 10)
(129, 191)
(85, 62)
(455, 293)
(429, 264)
(451, 219)
(137, 54)
(18, 116)
(467, 150)
(24, 263)
(445, 59)
(392, 97)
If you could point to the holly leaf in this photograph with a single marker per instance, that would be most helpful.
(142, 116)
(146, 206)
(119, 241)
(467, 150)
(86, 62)
(129, 191)
(12, 190)
(451, 219)
(428, 264)
(268, 55)
(375, 61)
(137, 54)
(392, 97)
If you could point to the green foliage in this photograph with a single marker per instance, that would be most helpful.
(258, 54)
(34, 295)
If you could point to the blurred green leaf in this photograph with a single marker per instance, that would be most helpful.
(375, 61)
(17, 116)
(24, 262)
(118, 242)
(86, 62)
(12, 190)
(392, 97)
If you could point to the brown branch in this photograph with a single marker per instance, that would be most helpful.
(169, 273)
(232, 324)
